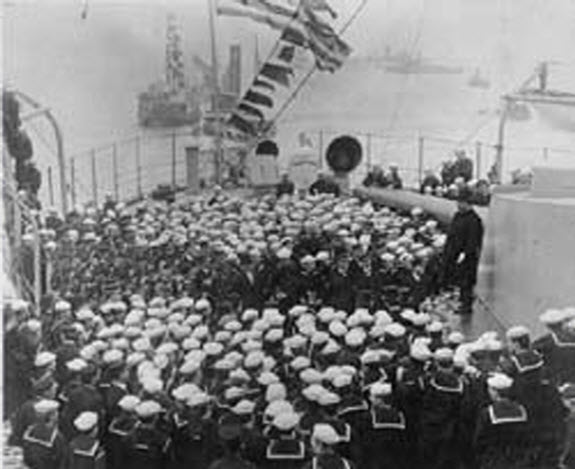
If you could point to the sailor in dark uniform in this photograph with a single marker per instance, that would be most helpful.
(558, 347)
(539, 397)
(338, 294)
(44, 447)
(500, 437)
(194, 432)
(229, 433)
(385, 445)
(115, 382)
(120, 427)
(523, 364)
(86, 450)
(323, 442)
(148, 446)
(285, 449)
(44, 388)
(440, 413)
(354, 411)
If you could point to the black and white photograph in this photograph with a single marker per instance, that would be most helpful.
(288, 234)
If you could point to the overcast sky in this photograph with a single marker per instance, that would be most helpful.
(98, 65)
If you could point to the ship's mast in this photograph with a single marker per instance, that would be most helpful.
(216, 94)
(175, 77)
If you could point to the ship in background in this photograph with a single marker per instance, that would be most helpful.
(407, 64)
(176, 102)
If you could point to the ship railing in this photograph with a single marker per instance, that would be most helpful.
(133, 167)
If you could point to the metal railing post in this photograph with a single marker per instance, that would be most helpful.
(138, 167)
(368, 156)
(320, 145)
(115, 169)
(421, 156)
(73, 182)
(174, 160)
(94, 179)
(50, 186)
(478, 149)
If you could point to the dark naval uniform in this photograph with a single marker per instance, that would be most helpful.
(354, 411)
(232, 462)
(118, 431)
(465, 237)
(25, 417)
(44, 448)
(329, 461)
(559, 355)
(194, 443)
(440, 414)
(147, 448)
(500, 436)
(385, 445)
(285, 452)
(86, 452)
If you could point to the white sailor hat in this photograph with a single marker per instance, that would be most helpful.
(369, 357)
(355, 337)
(112, 357)
(142, 344)
(62, 305)
(185, 391)
(198, 399)
(244, 407)
(499, 381)
(240, 374)
(325, 433)
(190, 367)
(44, 359)
(443, 354)
(342, 381)
(45, 406)
(152, 385)
(379, 389)
(517, 332)
(202, 304)
(310, 376)
(129, 402)
(76, 365)
(267, 377)
(299, 363)
(274, 335)
(434, 327)
(86, 421)
(135, 358)
(328, 399)
(278, 407)
(148, 408)
(250, 314)
(313, 392)
(286, 421)
(193, 320)
(85, 314)
(33, 325)
(319, 338)
(552, 317)
(395, 330)
(213, 348)
(275, 392)
(331, 372)
(297, 310)
(233, 326)
(455, 337)
(337, 329)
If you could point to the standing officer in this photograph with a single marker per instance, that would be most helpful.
(463, 250)
(229, 433)
(285, 450)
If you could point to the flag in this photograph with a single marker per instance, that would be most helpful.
(278, 73)
(268, 6)
(241, 124)
(329, 50)
(258, 98)
(320, 5)
(251, 110)
(286, 53)
(294, 36)
(259, 83)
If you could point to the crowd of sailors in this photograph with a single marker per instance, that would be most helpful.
(301, 331)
